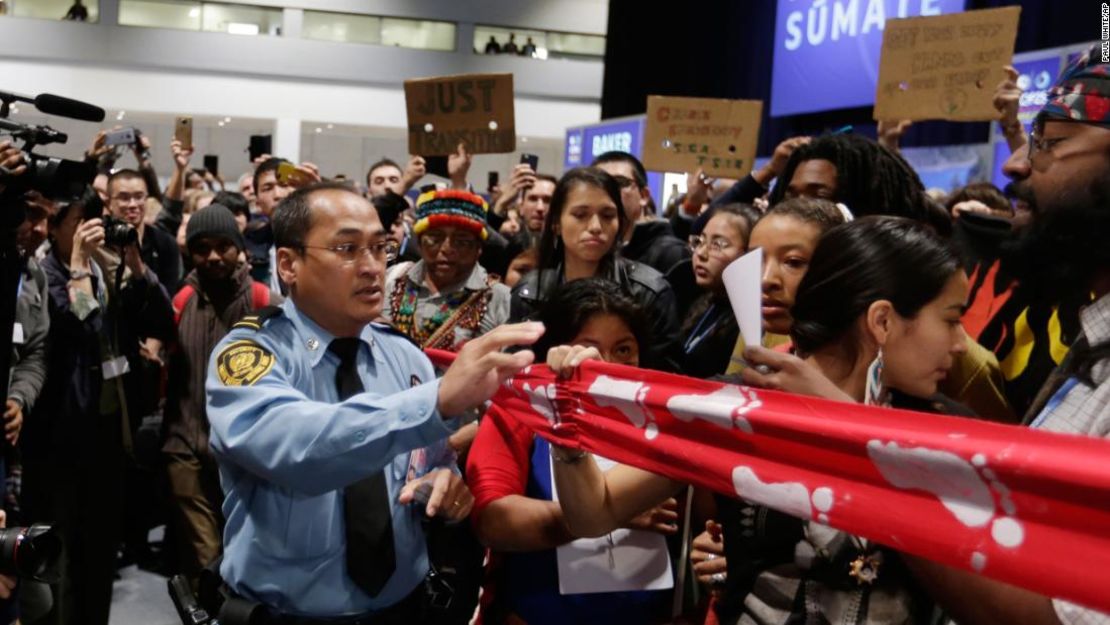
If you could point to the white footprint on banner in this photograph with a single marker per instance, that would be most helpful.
(628, 397)
(724, 407)
(541, 398)
(793, 498)
(961, 486)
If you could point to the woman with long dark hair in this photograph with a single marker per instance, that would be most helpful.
(876, 319)
(710, 328)
(581, 239)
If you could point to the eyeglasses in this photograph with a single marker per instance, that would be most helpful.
(1039, 144)
(717, 245)
(126, 198)
(349, 252)
(626, 182)
(463, 244)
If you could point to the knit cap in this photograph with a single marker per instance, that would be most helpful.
(451, 207)
(214, 220)
(1082, 92)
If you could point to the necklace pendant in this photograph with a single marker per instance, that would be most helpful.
(865, 568)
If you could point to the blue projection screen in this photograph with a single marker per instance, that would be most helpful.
(831, 48)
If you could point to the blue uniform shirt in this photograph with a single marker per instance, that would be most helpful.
(287, 447)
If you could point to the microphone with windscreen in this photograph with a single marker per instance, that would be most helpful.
(54, 177)
(66, 107)
(55, 105)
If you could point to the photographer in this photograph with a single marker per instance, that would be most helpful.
(32, 322)
(27, 368)
(127, 193)
(74, 444)
(103, 157)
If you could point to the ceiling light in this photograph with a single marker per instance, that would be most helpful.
(239, 28)
(194, 12)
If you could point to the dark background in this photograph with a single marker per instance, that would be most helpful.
(723, 49)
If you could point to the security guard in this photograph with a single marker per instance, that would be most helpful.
(325, 425)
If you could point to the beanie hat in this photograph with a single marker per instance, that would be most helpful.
(1082, 93)
(451, 207)
(214, 220)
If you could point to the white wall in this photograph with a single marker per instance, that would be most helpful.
(576, 16)
(376, 115)
(238, 96)
(284, 81)
(351, 150)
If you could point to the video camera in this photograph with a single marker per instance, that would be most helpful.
(31, 552)
(56, 178)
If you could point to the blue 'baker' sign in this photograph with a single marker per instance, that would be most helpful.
(832, 47)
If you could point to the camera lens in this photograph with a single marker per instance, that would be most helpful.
(31, 552)
(118, 233)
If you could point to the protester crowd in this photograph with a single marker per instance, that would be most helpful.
(244, 366)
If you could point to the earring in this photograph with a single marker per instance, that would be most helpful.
(875, 394)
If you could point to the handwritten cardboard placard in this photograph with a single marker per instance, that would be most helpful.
(475, 109)
(945, 66)
(719, 136)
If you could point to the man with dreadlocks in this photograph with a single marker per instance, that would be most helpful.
(1064, 176)
(860, 173)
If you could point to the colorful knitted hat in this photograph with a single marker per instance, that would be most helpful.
(1082, 93)
(451, 207)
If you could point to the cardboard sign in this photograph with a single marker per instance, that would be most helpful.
(719, 136)
(474, 109)
(945, 67)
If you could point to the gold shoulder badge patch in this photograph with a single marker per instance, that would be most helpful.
(243, 363)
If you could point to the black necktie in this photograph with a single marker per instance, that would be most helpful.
(366, 510)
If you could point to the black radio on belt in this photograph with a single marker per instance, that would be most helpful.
(438, 591)
(186, 603)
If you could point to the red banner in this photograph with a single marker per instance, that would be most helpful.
(1027, 507)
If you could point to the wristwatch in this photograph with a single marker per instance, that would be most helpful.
(79, 274)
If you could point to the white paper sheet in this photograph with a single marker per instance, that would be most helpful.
(625, 560)
(743, 278)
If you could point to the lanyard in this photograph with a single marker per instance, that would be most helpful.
(698, 335)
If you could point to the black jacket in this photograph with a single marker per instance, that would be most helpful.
(70, 405)
(259, 237)
(161, 254)
(642, 283)
(708, 337)
(654, 244)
